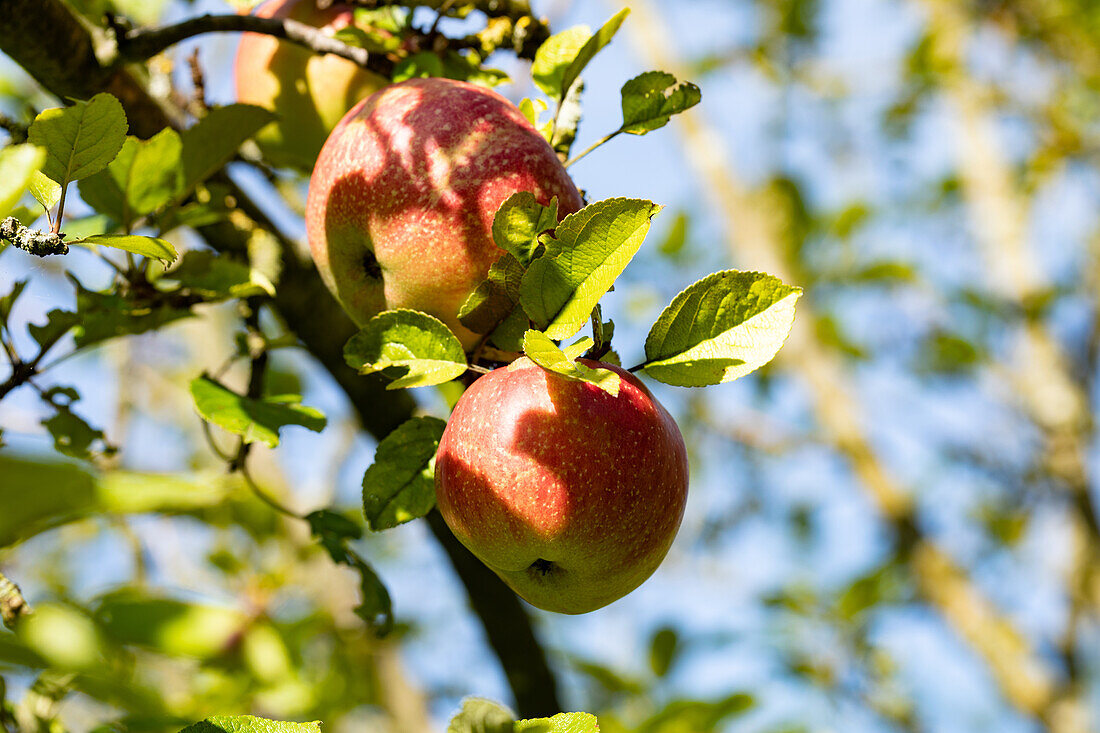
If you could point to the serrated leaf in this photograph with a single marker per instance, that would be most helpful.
(420, 345)
(249, 724)
(495, 298)
(720, 328)
(544, 352)
(574, 350)
(79, 140)
(400, 485)
(18, 164)
(591, 47)
(590, 250)
(209, 144)
(554, 56)
(650, 99)
(560, 723)
(146, 175)
(151, 247)
(252, 419)
(518, 223)
(481, 716)
(44, 190)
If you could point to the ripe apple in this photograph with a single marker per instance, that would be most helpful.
(402, 199)
(309, 92)
(570, 495)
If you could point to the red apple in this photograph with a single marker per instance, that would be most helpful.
(570, 495)
(309, 92)
(403, 196)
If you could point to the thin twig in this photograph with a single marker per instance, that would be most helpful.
(142, 44)
(591, 147)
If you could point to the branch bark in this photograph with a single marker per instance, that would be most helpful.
(142, 44)
(34, 30)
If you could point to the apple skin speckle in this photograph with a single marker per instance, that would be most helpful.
(534, 468)
(415, 173)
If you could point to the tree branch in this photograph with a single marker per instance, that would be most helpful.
(142, 44)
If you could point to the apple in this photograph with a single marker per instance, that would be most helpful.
(571, 495)
(309, 92)
(402, 199)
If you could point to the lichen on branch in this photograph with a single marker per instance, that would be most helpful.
(35, 241)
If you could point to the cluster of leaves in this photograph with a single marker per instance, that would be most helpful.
(476, 716)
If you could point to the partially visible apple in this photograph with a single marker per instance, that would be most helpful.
(308, 91)
(403, 196)
(570, 495)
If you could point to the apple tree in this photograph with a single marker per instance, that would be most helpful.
(150, 211)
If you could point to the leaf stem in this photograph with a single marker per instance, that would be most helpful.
(55, 226)
(592, 147)
(263, 495)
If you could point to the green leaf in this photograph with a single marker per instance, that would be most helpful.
(79, 140)
(650, 99)
(720, 328)
(532, 109)
(39, 494)
(74, 437)
(145, 176)
(590, 250)
(481, 716)
(209, 144)
(253, 420)
(18, 164)
(420, 345)
(249, 724)
(560, 723)
(589, 50)
(217, 276)
(697, 716)
(574, 350)
(495, 299)
(518, 223)
(400, 485)
(107, 315)
(151, 247)
(418, 66)
(169, 626)
(376, 607)
(663, 648)
(544, 352)
(554, 56)
(332, 530)
(563, 129)
(7, 302)
(44, 190)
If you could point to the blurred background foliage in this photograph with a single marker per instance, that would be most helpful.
(892, 528)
